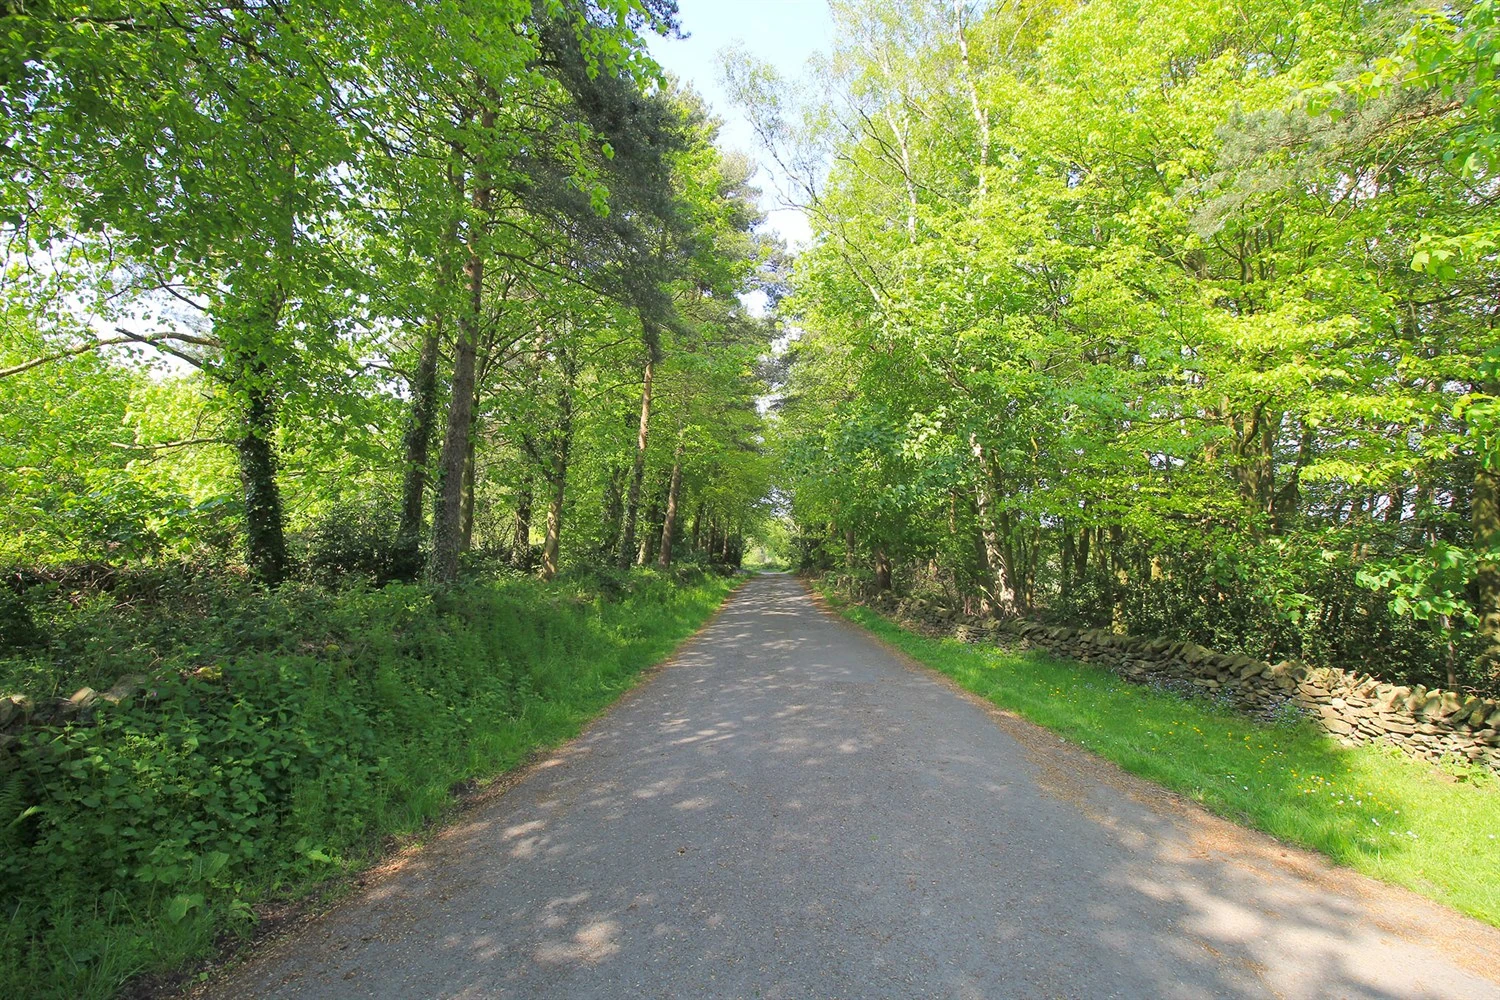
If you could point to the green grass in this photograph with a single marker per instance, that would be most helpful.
(1433, 830)
(338, 720)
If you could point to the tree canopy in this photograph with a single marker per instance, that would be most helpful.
(340, 290)
(1175, 317)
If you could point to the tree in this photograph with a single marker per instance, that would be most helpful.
(1143, 354)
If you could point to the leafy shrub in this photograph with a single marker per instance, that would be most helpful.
(268, 760)
(1272, 601)
(18, 628)
(353, 541)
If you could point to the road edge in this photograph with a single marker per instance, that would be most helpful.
(1467, 941)
(202, 977)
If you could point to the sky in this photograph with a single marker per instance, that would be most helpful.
(784, 33)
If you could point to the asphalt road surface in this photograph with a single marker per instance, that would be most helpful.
(789, 809)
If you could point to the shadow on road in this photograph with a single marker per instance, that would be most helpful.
(788, 811)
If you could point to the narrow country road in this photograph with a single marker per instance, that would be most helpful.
(790, 810)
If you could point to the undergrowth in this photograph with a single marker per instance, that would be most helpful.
(288, 738)
(1371, 808)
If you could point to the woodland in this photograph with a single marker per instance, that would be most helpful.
(356, 290)
(381, 392)
(376, 398)
(1177, 318)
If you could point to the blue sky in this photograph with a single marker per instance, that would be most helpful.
(781, 32)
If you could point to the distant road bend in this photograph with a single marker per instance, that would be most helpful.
(790, 811)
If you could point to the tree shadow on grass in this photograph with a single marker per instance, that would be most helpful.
(1370, 807)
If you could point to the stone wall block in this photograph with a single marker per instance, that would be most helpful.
(1354, 708)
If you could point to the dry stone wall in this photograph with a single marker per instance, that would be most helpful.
(1353, 708)
(17, 712)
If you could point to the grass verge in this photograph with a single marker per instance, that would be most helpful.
(1433, 830)
(265, 770)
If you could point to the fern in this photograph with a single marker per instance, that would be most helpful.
(13, 810)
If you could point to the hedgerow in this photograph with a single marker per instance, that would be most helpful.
(131, 841)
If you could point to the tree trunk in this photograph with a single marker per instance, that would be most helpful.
(1121, 576)
(981, 560)
(1081, 556)
(471, 472)
(422, 418)
(265, 532)
(981, 114)
(882, 570)
(562, 445)
(1287, 501)
(664, 559)
(1252, 444)
(698, 528)
(900, 132)
(1005, 534)
(265, 535)
(1033, 550)
(1065, 563)
(447, 526)
(1486, 519)
(418, 442)
(614, 513)
(652, 533)
(1001, 599)
(520, 540)
(638, 472)
(466, 517)
(554, 524)
(1395, 505)
(1451, 658)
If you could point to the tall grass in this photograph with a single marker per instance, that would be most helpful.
(1371, 808)
(264, 768)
